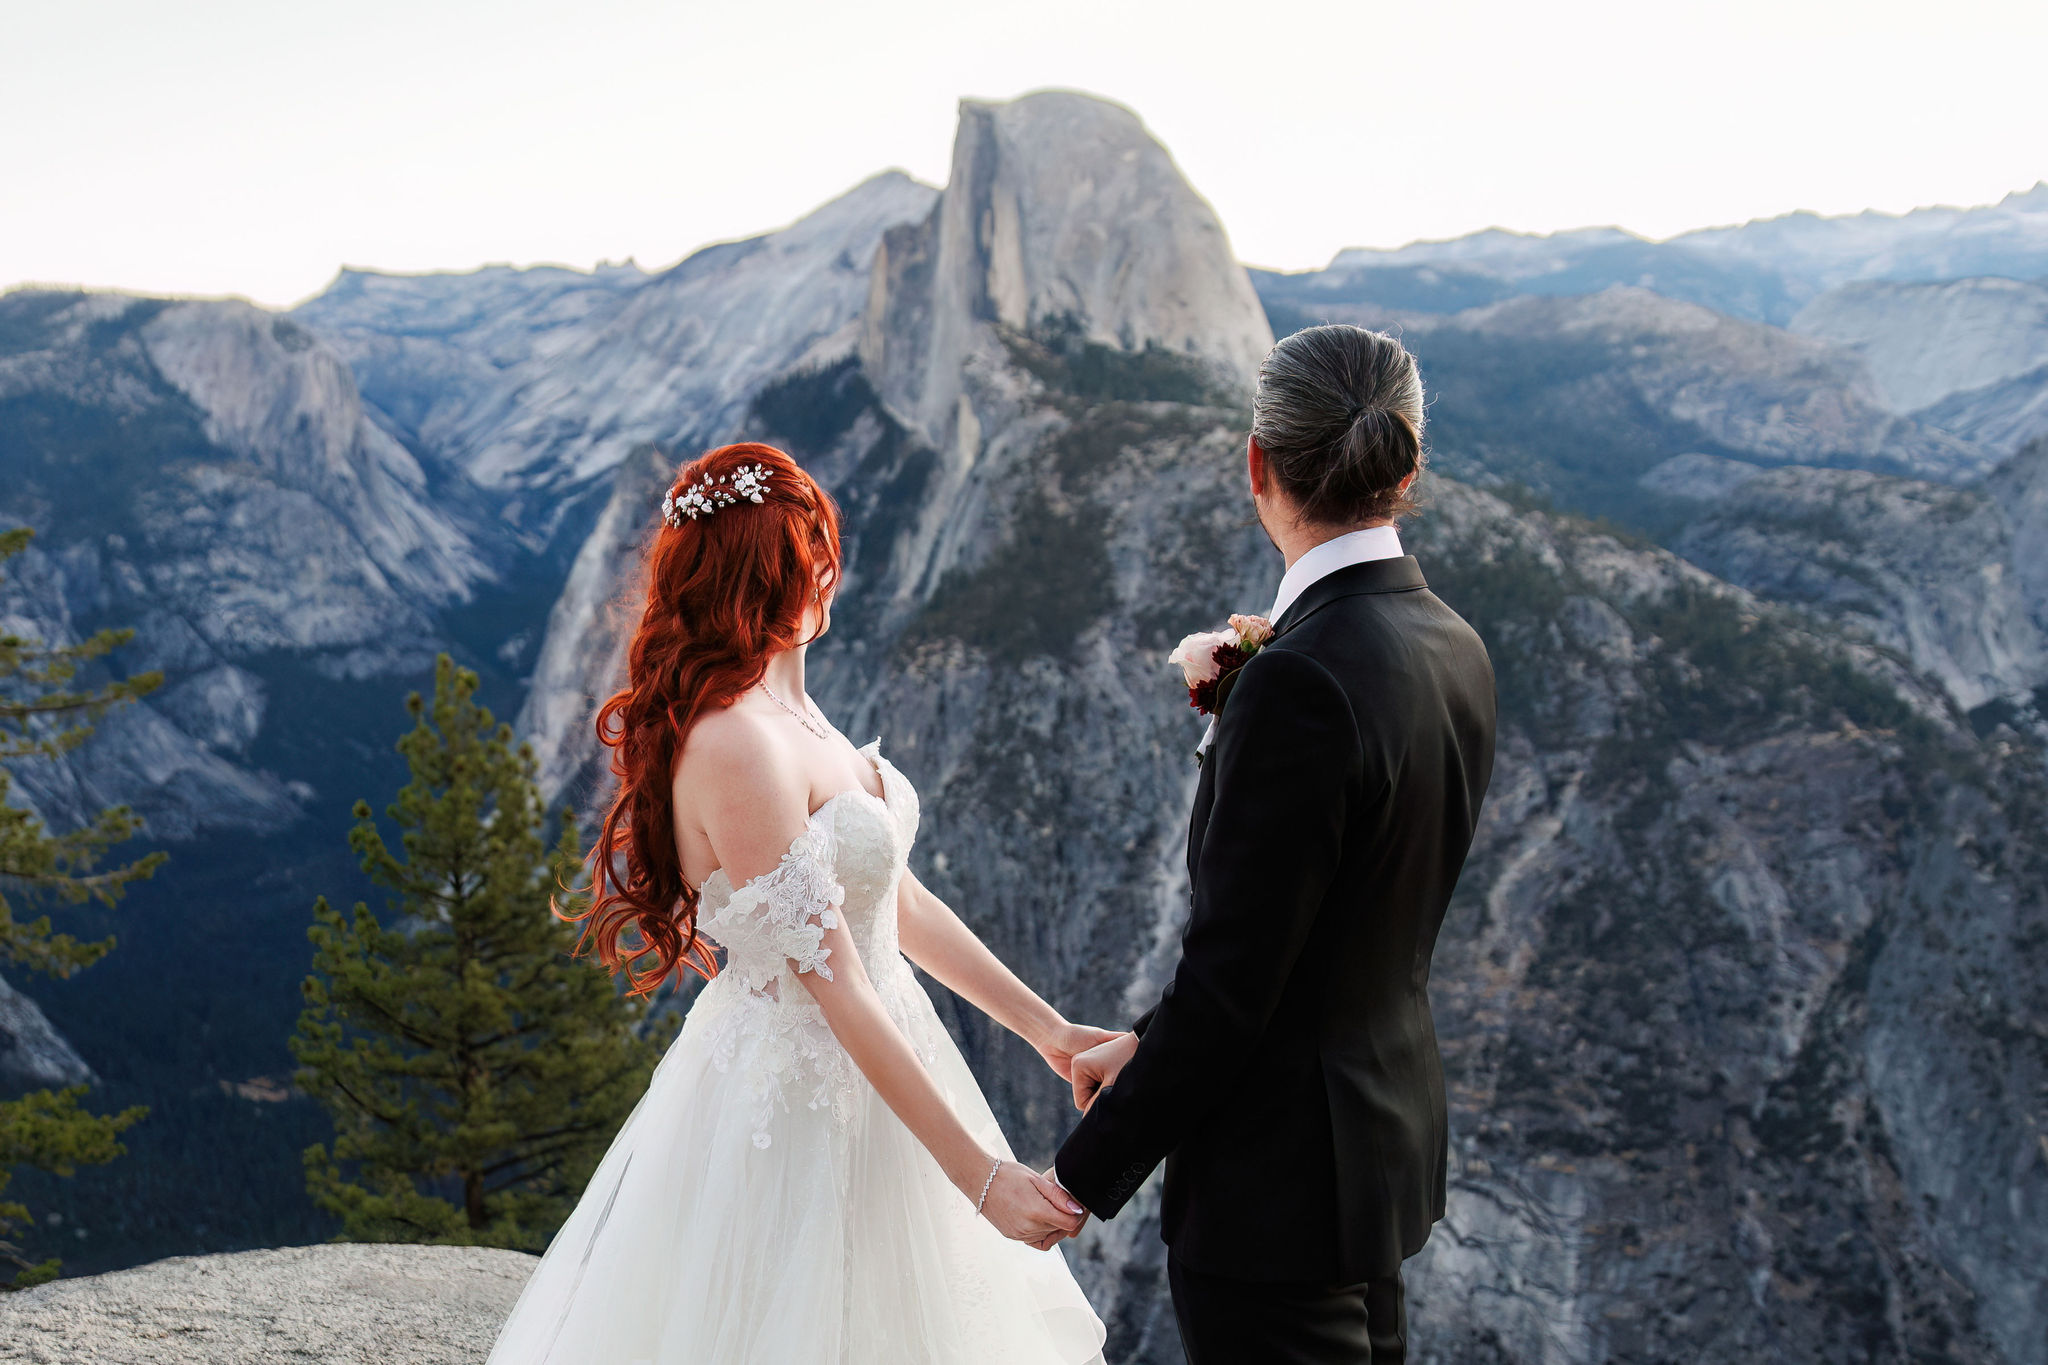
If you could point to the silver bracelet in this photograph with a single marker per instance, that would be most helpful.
(987, 1185)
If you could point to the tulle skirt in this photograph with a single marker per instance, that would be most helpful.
(732, 1224)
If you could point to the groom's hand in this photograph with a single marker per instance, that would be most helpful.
(1026, 1207)
(1099, 1066)
(1060, 1046)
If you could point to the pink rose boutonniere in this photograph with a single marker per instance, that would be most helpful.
(1209, 659)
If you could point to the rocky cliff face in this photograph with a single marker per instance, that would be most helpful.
(1703, 802)
(678, 359)
(1741, 385)
(427, 349)
(583, 648)
(1933, 572)
(1999, 416)
(33, 1055)
(533, 384)
(1926, 342)
(1062, 217)
(207, 473)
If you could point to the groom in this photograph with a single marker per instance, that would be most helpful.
(1289, 1075)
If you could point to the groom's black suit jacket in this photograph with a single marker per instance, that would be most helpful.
(1289, 1074)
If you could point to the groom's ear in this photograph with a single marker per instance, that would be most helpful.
(1255, 465)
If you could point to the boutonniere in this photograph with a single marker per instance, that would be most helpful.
(1210, 659)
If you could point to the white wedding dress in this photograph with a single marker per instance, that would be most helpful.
(762, 1205)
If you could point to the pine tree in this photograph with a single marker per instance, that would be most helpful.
(48, 1128)
(474, 1070)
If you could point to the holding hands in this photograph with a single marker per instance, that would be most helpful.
(1090, 1071)
(1027, 1207)
(1066, 1041)
(1024, 1205)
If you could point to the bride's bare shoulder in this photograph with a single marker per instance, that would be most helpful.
(738, 752)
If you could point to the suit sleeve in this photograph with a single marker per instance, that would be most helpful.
(1288, 756)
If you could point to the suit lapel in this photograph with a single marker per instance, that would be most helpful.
(1399, 574)
(1198, 816)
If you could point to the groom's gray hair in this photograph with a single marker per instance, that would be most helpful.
(1338, 413)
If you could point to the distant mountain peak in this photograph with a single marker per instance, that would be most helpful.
(1493, 247)
(1078, 213)
(1061, 211)
(1765, 270)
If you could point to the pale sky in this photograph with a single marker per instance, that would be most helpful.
(253, 146)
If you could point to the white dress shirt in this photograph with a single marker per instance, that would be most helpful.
(1341, 552)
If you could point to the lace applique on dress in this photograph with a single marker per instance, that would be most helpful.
(777, 920)
(781, 916)
(791, 1057)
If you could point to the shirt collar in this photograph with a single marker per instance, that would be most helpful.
(1353, 547)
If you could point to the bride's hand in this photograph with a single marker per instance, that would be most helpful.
(1099, 1067)
(1066, 1041)
(1026, 1207)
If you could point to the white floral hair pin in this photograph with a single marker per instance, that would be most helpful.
(746, 484)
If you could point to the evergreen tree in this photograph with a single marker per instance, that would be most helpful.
(41, 715)
(474, 1070)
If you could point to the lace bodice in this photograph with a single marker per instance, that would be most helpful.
(845, 867)
(847, 862)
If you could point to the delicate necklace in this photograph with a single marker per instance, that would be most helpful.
(801, 718)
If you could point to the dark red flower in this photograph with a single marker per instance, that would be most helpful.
(1202, 695)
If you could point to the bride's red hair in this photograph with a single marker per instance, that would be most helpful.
(724, 593)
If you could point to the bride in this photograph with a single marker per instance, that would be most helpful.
(812, 1176)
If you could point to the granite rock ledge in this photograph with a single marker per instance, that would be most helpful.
(337, 1304)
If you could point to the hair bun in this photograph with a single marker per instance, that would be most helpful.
(1338, 414)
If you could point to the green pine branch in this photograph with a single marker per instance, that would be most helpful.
(50, 1129)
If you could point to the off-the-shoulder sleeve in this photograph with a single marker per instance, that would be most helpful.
(781, 916)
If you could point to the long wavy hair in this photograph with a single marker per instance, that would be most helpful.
(725, 592)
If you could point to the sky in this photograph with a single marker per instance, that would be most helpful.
(252, 147)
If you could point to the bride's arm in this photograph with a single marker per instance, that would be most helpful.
(935, 939)
(757, 810)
